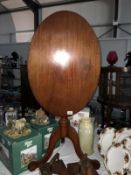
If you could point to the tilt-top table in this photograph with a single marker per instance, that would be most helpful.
(63, 72)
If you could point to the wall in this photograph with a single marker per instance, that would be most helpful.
(121, 46)
(97, 13)
(18, 27)
(125, 18)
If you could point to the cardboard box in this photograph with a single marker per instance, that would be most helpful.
(46, 131)
(16, 154)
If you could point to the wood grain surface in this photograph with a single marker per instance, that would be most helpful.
(64, 63)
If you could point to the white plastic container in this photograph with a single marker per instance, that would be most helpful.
(11, 114)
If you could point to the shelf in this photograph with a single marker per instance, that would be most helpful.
(10, 85)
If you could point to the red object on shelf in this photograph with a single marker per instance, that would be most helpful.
(112, 57)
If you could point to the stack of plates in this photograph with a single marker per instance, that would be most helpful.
(115, 148)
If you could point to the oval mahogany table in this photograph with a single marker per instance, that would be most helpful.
(63, 71)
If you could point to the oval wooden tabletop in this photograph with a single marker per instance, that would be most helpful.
(64, 63)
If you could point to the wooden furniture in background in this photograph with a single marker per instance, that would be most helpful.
(114, 91)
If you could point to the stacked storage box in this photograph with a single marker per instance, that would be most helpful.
(17, 153)
(46, 131)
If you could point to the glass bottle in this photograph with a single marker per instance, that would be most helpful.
(86, 135)
(11, 114)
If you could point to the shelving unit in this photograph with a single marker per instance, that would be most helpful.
(10, 85)
(27, 98)
(15, 89)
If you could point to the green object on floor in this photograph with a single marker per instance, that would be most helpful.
(17, 153)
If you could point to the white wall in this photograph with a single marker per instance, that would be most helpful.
(125, 18)
(95, 12)
(16, 27)
(121, 46)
